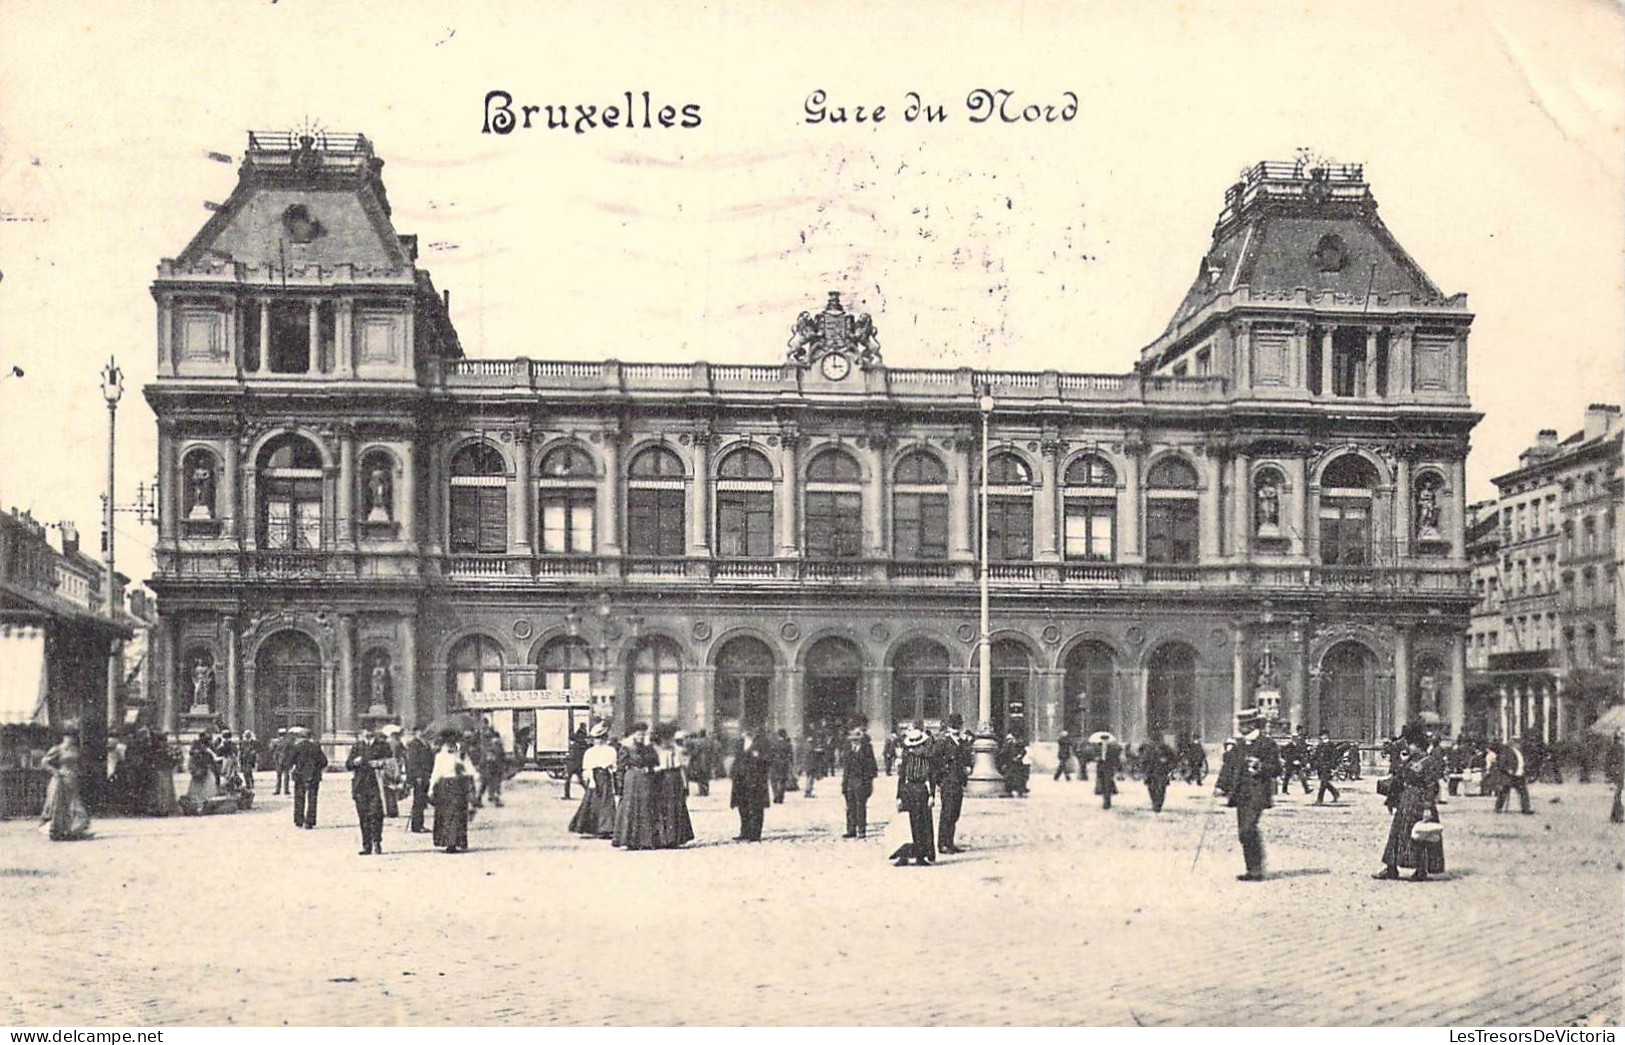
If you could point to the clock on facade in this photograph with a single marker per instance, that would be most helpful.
(835, 366)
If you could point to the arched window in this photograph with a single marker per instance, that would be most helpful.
(1012, 678)
(1171, 692)
(377, 490)
(1009, 509)
(919, 684)
(1087, 703)
(290, 494)
(745, 505)
(744, 686)
(479, 501)
(1091, 510)
(476, 667)
(834, 507)
(202, 483)
(653, 675)
(566, 501)
(920, 508)
(655, 519)
(1346, 491)
(565, 664)
(1171, 528)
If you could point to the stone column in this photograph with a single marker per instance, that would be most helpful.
(1506, 726)
(1051, 682)
(1241, 543)
(1327, 372)
(316, 338)
(1295, 509)
(1402, 678)
(1046, 509)
(250, 507)
(166, 334)
(1561, 705)
(406, 688)
(521, 519)
(168, 713)
(1456, 706)
(406, 500)
(344, 338)
(1128, 506)
(1371, 363)
(1305, 690)
(1211, 498)
(168, 479)
(788, 716)
(874, 700)
(231, 498)
(699, 499)
(437, 492)
(264, 361)
(874, 498)
(1242, 375)
(1458, 510)
(959, 501)
(344, 716)
(609, 498)
(1238, 669)
(1402, 507)
(1311, 520)
(346, 488)
(789, 491)
(233, 671)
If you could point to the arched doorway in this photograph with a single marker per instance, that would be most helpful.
(744, 687)
(1012, 681)
(920, 684)
(288, 684)
(476, 667)
(1087, 703)
(834, 673)
(1348, 691)
(1170, 705)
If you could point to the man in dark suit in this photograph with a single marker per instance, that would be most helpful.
(858, 772)
(1513, 768)
(1157, 763)
(306, 763)
(1111, 763)
(782, 761)
(1248, 779)
(1063, 755)
(367, 758)
(951, 757)
(419, 767)
(750, 795)
(1325, 760)
(282, 759)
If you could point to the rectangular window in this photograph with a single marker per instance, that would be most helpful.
(479, 520)
(1345, 533)
(745, 523)
(920, 526)
(1089, 530)
(834, 525)
(654, 522)
(567, 521)
(290, 338)
(1171, 530)
(1010, 529)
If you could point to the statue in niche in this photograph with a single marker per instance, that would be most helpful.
(379, 689)
(202, 483)
(1267, 691)
(202, 685)
(1427, 511)
(1429, 689)
(378, 506)
(1268, 507)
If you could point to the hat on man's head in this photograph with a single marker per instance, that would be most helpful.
(956, 721)
(1249, 717)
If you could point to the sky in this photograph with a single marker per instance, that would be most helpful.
(1491, 134)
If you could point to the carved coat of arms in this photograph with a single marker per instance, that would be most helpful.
(834, 330)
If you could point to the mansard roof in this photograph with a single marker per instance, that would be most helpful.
(1287, 227)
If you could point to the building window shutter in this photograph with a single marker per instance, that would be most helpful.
(493, 520)
(671, 522)
(465, 529)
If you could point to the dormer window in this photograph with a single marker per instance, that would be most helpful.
(290, 338)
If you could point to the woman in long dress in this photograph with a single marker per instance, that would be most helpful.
(200, 764)
(595, 817)
(672, 824)
(635, 816)
(64, 815)
(451, 783)
(1414, 800)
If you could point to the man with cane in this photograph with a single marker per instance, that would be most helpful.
(1248, 779)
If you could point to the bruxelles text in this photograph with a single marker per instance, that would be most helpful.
(637, 112)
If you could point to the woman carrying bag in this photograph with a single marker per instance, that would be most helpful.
(1415, 837)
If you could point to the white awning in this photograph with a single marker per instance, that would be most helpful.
(22, 675)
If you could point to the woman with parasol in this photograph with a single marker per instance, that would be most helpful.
(595, 817)
(1415, 837)
(450, 784)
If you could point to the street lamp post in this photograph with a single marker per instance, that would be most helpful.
(112, 391)
(985, 779)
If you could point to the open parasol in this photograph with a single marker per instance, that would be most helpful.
(1102, 737)
(1610, 721)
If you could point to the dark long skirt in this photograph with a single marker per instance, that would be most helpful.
(451, 813)
(635, 815)
(1401, 851)
(672, 824)
(595, 816)
(922, 843)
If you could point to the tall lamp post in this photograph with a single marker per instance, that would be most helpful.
(112, 391)
(985, 779)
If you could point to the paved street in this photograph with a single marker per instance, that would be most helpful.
(1060, 913)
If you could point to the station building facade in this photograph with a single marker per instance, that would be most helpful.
(359, 521)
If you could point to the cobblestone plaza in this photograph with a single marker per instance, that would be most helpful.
(1059, 913)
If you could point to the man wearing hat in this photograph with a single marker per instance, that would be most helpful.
(914, 792)
(1247, 777)
(749, 779)
(952, 756)
(419, 768)
(366, 761)
(306, 763)
(858, 772)
(281, 748)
